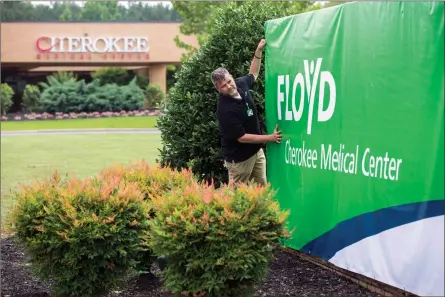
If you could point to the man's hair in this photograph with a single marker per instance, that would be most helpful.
(218, 75)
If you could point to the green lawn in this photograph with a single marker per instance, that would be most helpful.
(117, 122)
(25, 158)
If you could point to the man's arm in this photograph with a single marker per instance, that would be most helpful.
(256, 62)
(232, 128)
(253, 138)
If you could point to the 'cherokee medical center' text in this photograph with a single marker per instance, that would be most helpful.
(345, 161)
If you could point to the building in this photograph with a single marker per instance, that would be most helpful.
(39, 48)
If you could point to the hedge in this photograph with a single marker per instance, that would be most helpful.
(190, 136)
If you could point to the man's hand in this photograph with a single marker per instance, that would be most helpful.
(276, 135)
(261, 45)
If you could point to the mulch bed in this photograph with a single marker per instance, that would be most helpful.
(289, 275)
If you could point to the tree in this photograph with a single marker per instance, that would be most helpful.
(66, 14)
(68, 10)
(16, 11)
(100, 11)
(199, 17)
(153, 96)
(189, 129)
(6, 93)
(31, 98)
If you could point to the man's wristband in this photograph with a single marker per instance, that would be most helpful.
(259, 58)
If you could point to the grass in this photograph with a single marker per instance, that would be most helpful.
(117, 122)
(25, 158)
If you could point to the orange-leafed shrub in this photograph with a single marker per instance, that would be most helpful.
(152, 181)
(218, 242)
(86, 235)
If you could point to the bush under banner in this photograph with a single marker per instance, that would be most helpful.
(358, 93)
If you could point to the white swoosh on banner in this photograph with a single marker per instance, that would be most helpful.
(409, 257)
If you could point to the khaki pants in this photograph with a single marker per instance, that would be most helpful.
(253, 168)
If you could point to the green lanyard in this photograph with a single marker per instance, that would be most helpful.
(249, 111)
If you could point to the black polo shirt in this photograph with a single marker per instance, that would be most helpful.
(235, 120)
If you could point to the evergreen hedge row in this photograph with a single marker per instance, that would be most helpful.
(78, 96)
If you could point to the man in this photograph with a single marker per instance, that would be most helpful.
(241, 137)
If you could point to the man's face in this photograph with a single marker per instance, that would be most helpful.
(227, 86)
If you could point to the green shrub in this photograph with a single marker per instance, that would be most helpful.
(58, 78)
(217, 242)
(142, 81)
(190, 133)
(98, 97)
(77, 96)
(119, 76)
(132, 97)
(112, 97)
(154, 96)
(31, 98)
(111, 75)
(67, 96)
(86, 235)
(6, 93)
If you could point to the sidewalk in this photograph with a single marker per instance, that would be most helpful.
(82, 131)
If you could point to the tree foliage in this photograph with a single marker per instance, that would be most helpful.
(31, 98)
(198, 18)
(90, 11)
(153, 96)
(190, 133)
(97, 10)
(6, 93)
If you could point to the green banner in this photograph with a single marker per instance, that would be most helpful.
(358, 93)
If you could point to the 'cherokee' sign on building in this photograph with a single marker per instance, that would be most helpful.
(55, 47)
(131, 44)
(145, 47)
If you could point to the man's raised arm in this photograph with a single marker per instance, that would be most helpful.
(256, 61)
